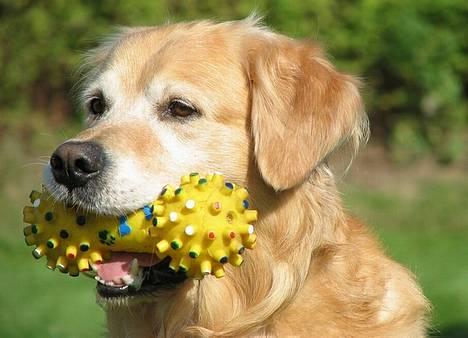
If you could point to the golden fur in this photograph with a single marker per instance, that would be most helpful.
(273, 109)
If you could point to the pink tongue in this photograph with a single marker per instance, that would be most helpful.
(120, 262)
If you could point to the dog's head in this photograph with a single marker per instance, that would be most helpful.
(234, 98)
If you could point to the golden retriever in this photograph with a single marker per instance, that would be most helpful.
(266, 111)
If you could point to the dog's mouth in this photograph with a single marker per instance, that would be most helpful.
(130, 274)
(125, 273)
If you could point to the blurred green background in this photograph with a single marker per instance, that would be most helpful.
(409, 184)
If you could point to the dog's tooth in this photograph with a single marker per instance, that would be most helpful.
(110, 283)
(134, 267)
(99, 280)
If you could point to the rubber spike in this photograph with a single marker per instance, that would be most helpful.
(34, 195)
(39, 251)
(36, 229)
(190, 205)
(162, 246)
(236, 259)
(27, 230)
(30, 240)
(194, 177)
(62, 264)
(37, 203)
(205, 267)
(218, 180)
(247, 229)
(167, 194)
(73, 270)
(202, 184)
(250, 215)
(176, 244)
(251, 241)
(70, 252)
(148, 211)
(180, 194)
(83, 265)
(220, 256)
(160, 222)
(185, 264)
(52, 243)
(235, 246)
(96, 257)
(190, 230)
(51, 263)
(195, 250)
(28, 215)
(211, 235)
(227, 189)
(175, 217)
(174, 264)
(230, 234)
(158, 210)
(242, 193)
(185, 179)
(219, 272)
(241, 206)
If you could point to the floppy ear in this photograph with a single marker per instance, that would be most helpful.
(301, 109)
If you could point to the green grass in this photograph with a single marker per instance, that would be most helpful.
(40, 303)
(425, 229)
(34, 301)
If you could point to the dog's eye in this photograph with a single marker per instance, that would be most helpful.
(97, 106)
(181, 109)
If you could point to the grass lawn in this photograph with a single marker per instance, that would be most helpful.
(425, 228)
(34, 301)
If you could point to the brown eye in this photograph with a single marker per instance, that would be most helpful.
(97, 106)
(178, 108)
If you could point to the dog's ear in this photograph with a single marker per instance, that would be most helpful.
(301, 109)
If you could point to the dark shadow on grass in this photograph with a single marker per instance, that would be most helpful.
(459, 330)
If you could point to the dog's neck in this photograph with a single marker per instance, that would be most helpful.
(293, 225)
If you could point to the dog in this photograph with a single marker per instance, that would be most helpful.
(266, 111)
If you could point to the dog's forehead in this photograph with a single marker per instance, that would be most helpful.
(200, 56)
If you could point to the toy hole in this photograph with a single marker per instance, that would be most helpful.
(230, 217)
(63, 234)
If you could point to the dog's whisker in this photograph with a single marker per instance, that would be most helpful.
(34, 164)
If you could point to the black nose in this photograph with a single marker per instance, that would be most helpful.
(75, 163)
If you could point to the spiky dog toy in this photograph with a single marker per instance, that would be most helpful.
(202, 225)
